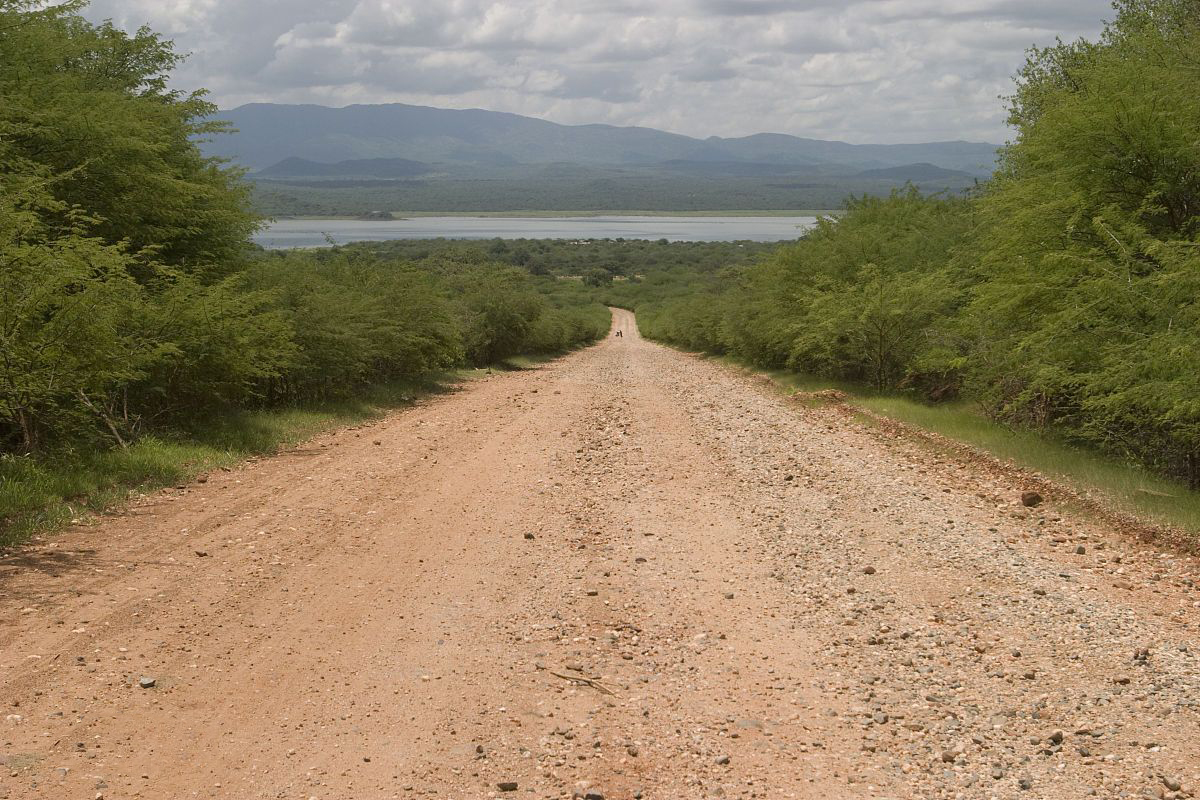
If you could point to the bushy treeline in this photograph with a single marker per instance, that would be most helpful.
(130, 297)
(354, 318)
(598, 261)
(1063, 295)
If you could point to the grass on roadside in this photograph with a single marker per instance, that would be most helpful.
(44, 493)
(517, 363)
(1131, 488)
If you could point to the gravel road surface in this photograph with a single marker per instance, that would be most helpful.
(627, 573)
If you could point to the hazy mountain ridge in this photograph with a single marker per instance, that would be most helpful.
(269, 133)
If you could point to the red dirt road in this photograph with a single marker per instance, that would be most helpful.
(771, 601)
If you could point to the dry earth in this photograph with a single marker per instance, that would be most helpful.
(774, 601)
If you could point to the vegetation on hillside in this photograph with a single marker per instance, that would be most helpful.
(1062, 296)
(584, 189)
(597, 261)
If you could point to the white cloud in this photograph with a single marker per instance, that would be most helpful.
(858, 70)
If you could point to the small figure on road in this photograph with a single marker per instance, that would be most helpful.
(619, 333)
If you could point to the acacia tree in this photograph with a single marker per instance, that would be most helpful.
(91, 104)
(1090, 245)
(116, 238)
(65, 298)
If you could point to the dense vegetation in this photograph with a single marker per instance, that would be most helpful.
(597, 261)
(1062, 296)
(132, 305)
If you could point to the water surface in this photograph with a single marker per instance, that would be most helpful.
(313, 232)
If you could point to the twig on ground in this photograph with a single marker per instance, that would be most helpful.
(585, 680)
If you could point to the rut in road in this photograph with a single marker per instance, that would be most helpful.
(772, 601)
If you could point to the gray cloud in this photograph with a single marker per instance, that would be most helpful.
(750, 8)
(856, 70)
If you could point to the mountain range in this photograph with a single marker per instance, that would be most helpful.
(269, 133)
(361, 159)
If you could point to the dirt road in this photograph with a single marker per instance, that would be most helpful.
(768, 601)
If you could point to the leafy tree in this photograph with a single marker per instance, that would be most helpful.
(90, 104)
(498, 310)
(67, 343)
(1088, 250)
(598, 277)
(356, 320)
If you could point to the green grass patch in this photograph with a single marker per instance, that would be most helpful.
(44, 493)
(1130, 488)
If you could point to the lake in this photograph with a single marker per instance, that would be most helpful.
(312, 232)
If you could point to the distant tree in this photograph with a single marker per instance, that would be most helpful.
(598, 277)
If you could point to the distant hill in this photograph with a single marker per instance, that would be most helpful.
(358, 168)
(739, 168)
(916, 173)
(397, 133)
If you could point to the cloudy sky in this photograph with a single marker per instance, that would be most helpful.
(856, 70)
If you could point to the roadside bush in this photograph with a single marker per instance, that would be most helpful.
(69, 310)
(1084, 305)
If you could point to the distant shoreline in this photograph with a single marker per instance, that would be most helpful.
(402, 215)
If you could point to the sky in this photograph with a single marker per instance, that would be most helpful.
(857, 70)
